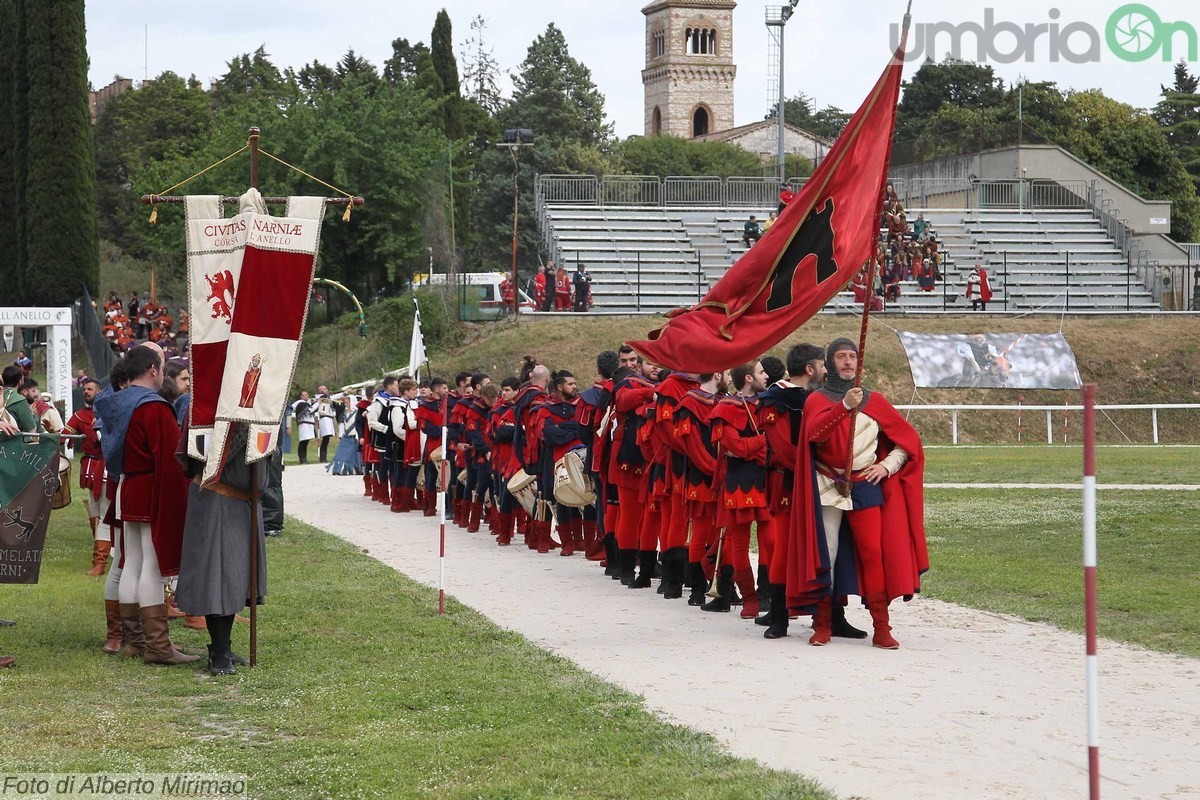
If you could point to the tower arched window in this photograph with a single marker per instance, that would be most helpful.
(656, 122)
(700, 121)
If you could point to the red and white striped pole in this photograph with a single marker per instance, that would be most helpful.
(1089, 587)
(1020, 400)
(443, 488)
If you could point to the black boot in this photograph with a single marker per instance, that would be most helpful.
(778, 627)
(723, 600)
(647, 558)
(611, 567)
(626, 559)
(219, 654)
(697, 582)
(673, 566)
(764, 588)
(220, 664)
(841, 627)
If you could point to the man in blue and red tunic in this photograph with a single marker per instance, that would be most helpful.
(91, 475)
(561, 432)
(742, 482)
(879, 510)
(460, 504)
(595, 407)
(479, 451)
(528, 450)
(429, 422)
(692, 431)
(370, 456)
(500, 432)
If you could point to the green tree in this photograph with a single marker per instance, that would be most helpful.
(403, 64)
(960, 83)
(61, 253)
(555, 96)
(441, 52)
(481, 73)
(12, 111)
(1127, 144)
(166, 118)
(672, 155)
(250, 75)
(801, 112)
(1179, 115)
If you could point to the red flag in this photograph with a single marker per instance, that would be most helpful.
(822, 238)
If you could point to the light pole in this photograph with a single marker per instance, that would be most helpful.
(785, 13)
(514, 140)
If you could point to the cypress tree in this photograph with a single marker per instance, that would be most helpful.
(8, 140)
(59, 194)
(441, 50)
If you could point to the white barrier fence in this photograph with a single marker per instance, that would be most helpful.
(1153, 408)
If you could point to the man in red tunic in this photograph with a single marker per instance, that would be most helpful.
(528, 451)
(139, 440)
(91, 477)
(877, 516)
(633, 393)
(692, 429)
(429, 422)
(500, 433)
(674, 546)
(742, 481)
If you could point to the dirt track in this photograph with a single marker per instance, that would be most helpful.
(974, 705)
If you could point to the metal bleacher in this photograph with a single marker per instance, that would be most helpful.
(663, 246)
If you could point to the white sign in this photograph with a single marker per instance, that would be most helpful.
(57, 322)
(1159, 220)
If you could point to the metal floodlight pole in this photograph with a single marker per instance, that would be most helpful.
(514, 140)
(785, 14)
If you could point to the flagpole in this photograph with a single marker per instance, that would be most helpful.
(255, 492)
(846, 481)
(443, 486)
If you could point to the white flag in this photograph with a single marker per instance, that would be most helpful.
(416, 351)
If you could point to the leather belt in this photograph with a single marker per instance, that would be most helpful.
(223, 489)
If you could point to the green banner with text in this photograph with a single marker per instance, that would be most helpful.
(28, 480)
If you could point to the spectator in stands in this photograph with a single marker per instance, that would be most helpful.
(80, 379)
(751, 232)
(897, 223)
(979, 290)
(548, 300)
(786, 195)
(583, 288)
(891, 281)
(131, 310)
(925, 275)
(562, 290)
(770, 221)
(920, 227)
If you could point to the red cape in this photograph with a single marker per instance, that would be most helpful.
(905, 555)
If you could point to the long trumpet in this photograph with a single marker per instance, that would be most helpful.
(712, 589)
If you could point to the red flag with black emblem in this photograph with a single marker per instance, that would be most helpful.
(822, 238)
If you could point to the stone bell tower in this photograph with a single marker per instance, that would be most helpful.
(689, 71)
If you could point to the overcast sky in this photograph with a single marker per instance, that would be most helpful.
(835, 48)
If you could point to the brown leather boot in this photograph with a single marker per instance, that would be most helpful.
(430, 504)
(131, 631)
(883, 631)
(100, 550)
(195, 623)
(368, 485)
(112, 613)
(159, 649)
(822, 621)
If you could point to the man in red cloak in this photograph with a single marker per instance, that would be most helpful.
(879, 513)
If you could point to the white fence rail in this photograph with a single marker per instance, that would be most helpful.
(1153, 408)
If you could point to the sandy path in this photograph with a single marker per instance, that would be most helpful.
(974, 705)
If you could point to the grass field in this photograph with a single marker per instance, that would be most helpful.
(364, 692)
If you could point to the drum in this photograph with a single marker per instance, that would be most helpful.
(573, 486)
(523, 487)
(62, 497)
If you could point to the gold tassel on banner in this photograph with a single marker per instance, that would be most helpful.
(346, 216)
(153, 212)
